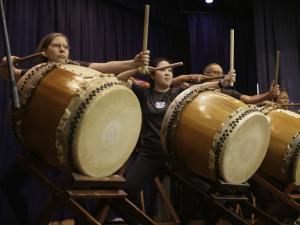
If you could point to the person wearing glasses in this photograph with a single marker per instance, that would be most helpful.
(215, 70)
(56, 49)
(280, 101)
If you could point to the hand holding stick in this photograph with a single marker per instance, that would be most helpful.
(213, 78)
(16, 60)
(165, 67)
(29, 57)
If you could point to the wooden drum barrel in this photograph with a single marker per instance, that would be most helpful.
(77, 119)
(282, 158)
(215, 135)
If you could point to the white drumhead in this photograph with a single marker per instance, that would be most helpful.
(245, 148)
(108, 132)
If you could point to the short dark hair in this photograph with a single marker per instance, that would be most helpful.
(158, 60)
(209, 65)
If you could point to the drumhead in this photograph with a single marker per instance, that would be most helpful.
(238, 143)
(104, 124)
(244, 146)
(108, 132)
(283, 153)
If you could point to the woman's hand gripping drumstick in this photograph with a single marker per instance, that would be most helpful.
(16, 60)
(125, 76)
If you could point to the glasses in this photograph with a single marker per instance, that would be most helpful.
(284, 98)
(217, 73)
(57, 45)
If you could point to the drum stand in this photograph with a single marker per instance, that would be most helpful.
(77, 186)
(164, 197)
(220, 195)
(286, 195)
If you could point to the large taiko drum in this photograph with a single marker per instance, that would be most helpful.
(77, 119)
(215, 135)
(282, 159)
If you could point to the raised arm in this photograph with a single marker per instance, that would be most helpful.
(274, 91)
(225, 82)
(193, 78)
(125, 76)
(117, 67)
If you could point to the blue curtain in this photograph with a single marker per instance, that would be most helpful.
(277, 26)
(209, 43)
(98, 31)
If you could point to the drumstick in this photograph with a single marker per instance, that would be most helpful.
(276, 70)
(231, 67)
(146, 25)
(29, 57)
(291, 104)
(167, 66)
(145, 36)
(257, 89)
(212, 78)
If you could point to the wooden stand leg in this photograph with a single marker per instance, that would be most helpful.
(83, 187)
(166, 200)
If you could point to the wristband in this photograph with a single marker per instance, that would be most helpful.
(220, 84)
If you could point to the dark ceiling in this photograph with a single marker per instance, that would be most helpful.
(216, 6)
(190, 5)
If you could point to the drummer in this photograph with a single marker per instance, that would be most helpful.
(215, 70)
(152, 160)
(281, 99)
(56, 49)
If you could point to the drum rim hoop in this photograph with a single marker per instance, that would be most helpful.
(288, 167)
(227, 127)
(66, 148)
(172, 116)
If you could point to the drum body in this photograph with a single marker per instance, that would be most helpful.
(215, 135)
(77, 119)
(282, 159)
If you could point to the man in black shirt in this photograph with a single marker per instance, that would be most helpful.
(215, 70)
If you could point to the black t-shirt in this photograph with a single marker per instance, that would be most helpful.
(232, 93)
(154, 106)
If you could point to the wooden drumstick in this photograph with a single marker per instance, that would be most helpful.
(212, 78)
(145, 35)
(167, 66)
(276, 70)
(146, 25)
(231, 67)
(29, 57)
(291, 104)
